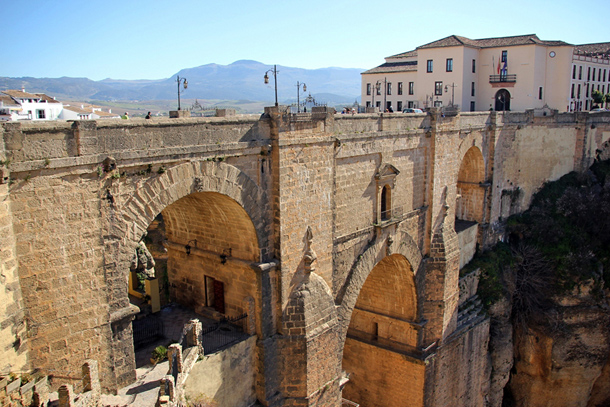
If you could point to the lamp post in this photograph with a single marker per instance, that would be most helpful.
(184, 83)
(453, 85)
(274, 71)
(377, 87)
(304, 86)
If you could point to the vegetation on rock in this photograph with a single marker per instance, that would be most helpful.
(561, 243)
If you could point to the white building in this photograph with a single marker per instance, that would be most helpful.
(32, 106)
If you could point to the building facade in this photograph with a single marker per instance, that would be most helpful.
(502, 74)
(29, 106)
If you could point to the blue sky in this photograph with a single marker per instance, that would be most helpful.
(155, 39)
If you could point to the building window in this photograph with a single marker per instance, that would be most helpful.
(574, 72)
(578, 95)
(580, 72)
(473, 66)
(400, 88)
(438, 103)
(593, 73)
(368, 103)
(587, 91)
(378, 89)
(604, 80)
(438, 88)
(389, 88)
(540, 93)
(399, 106)
(449, 65)
(429, 66)
(599, 75)
(368, 89)
(411, 88)
(504, 56)
(378, 104)
(589, 74)
(388, 107)
(472, 89)
(472, 106)
(40, 114)
(572, 93)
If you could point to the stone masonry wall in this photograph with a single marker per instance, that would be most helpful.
(71, 234)
(13, 346)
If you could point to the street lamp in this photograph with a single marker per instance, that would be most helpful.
(298, 94)
(453, 85)
(184, 83)
(376, 90)
(274, 71)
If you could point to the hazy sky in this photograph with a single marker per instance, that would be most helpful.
(134, 39)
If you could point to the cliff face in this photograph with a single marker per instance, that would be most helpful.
(561, 358)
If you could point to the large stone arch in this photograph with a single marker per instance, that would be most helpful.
(177, 182)
(127, 218)
(362, 268)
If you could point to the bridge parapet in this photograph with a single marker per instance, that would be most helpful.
(50, 140)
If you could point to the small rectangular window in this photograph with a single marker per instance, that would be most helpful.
(399, 106)
(540, 93)
(472, 106)
(473, 66)
(578, 94)
(593, 73)
(429, 66)
(368, 89)
(378, 89)
(449, 65)
(580, 72)
(411, 88)
(400, 88)
(589, 74)
(599, 75)
(472, 89)
(504, 56)
(378, 104)
(572, 93)
(574, 72)
(389, 88)
(438, 88)
(368, 103)
(40, 114)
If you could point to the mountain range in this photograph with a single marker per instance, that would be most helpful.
(241, 80)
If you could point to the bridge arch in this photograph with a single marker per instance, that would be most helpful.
(364, 265)
(470, 193)
(141, 208)
(382, 324)
(214, 214)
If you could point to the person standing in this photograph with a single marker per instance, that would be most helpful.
(148, 115)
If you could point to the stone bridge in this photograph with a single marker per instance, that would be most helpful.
(335, 233)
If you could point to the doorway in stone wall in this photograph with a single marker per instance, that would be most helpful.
(382, 355)
(502, 99)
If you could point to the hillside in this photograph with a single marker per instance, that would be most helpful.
(241, 80)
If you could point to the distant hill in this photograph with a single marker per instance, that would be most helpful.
(241, 80)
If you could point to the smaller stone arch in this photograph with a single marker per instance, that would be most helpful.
(363, 267)
(470, 186)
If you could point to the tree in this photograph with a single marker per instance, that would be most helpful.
(607, 99)
(598, 97)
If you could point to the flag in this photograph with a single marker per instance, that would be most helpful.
(505, 67)
(499, 59)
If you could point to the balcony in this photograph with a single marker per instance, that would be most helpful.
(502, 78)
